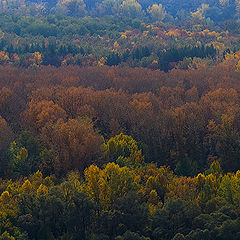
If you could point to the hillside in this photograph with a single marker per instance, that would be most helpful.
(216, 10)
(119, 120)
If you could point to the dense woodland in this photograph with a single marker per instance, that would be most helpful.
(217, 10)
(119, 120)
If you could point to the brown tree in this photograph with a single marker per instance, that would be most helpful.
(75, 142)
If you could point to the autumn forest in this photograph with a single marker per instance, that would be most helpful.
(119, 120)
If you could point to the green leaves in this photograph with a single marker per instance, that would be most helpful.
(24, 155)
(123, 150)
(18, 162)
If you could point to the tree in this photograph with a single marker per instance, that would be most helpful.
(75, 142)
(71, 7)
(128, 235)
(49, 162)
(6, 236)
(5, 139)
(157, 12)
(131, 9)
(134, 214)
(78, 214)
(113, 59)
(123, 150)
(183, 188)
(199, 234)
(42, 113)
(107, 186)
(229, 230)
(5, 93)
(179, 236)
(18, 163)
(107, 7)
(24, 155)
(176, 217)
(225, 136)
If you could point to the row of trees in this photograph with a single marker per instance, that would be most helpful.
(56, 40)
(78, 8)
(193, 116)
(129, 8)
(141, 203)
(90, 42)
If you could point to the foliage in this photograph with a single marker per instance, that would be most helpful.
(119, 120)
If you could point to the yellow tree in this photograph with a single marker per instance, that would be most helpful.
(4, 58)
(92, 178)
(182, 187)
(229, 188)
(110, 184)
(159, 184)
(154, 184)
(238, 66)
(36, 58)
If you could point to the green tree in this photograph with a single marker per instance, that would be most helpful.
(24, 155)
(176, 217)
(123, 150)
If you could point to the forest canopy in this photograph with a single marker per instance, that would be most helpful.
(119, 120)
(217, 10)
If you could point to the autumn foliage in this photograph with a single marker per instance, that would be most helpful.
(123, 128)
